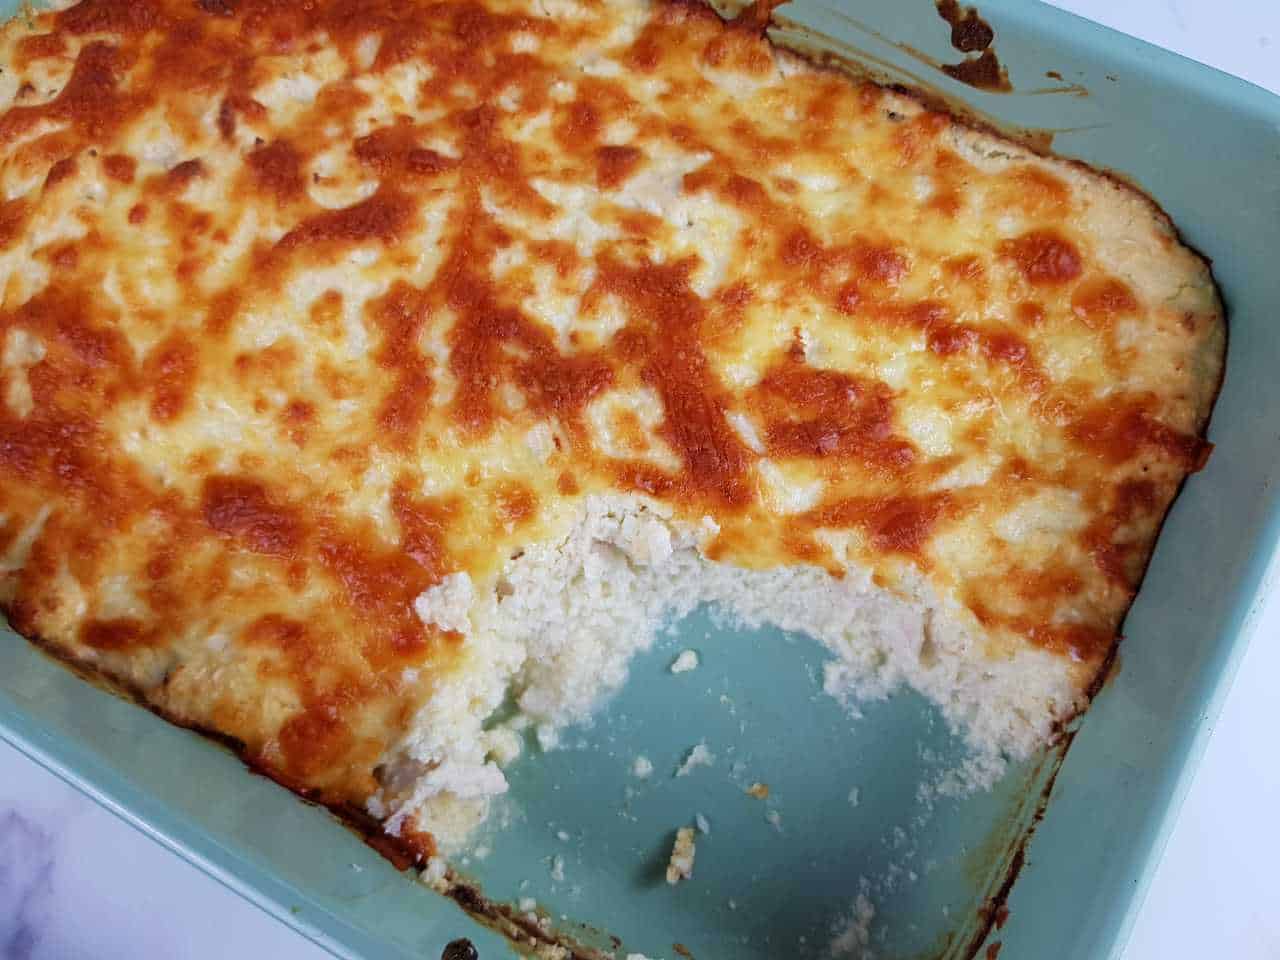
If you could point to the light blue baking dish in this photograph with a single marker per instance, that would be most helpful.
(1208, 147)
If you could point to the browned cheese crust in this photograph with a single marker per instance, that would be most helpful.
(306, 306)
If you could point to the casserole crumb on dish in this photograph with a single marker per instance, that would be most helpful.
(367, 364)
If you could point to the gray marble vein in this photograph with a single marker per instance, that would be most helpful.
(26, 884)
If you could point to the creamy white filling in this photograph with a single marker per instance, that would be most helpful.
(556, 629)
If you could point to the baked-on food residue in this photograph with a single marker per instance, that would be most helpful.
(460, 949)
(971, 34)
(365, 361)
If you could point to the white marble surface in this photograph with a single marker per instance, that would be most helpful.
(1215, 894)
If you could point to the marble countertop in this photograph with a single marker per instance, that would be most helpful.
(1218, 868)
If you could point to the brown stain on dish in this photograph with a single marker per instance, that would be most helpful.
(527, 937)
(460, 949)
(1011, 855)
(983, 72)
(1065, 89)
(1010, 858)
(973, 35)
(969, 32)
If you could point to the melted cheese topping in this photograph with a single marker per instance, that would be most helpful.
(308, 307)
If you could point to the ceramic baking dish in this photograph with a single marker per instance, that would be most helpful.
(1066, 843)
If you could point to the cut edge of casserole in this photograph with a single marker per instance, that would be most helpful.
(366, 368)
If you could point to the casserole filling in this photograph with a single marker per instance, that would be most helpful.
(364, 364)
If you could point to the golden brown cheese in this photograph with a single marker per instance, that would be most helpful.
(306, 306)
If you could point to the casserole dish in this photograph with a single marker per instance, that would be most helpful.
(933, 865)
